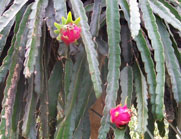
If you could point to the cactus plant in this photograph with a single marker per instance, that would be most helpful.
(58, 57)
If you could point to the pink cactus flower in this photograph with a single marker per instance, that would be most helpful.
(70, 33)
(120, 115)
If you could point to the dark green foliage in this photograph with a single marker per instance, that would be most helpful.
(151, 121)
(161, 127)
(47, 88)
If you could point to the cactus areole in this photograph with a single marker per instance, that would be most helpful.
(120, 116)
(69, 31)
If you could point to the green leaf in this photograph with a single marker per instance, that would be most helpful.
(161, 127)
(83, 130)
(148, 66)
(60, 10)
(119, 133)
(89, 46)
(18, 107)
(66, 127)
(175, 46)
(102, 46)
(82, 89)
(95, 19)
(172, 9)
(44, 108)
(22, 30)
(50, 14)
(165, 13)
(10, 91)
(103, 19)
(84, 97)
(125, 7)
(79, 99)
(6, 64)
(4, 35)
(38, 77)
(141, 94)
(114, 63)
(33, 41)
(134, 18)
(172, 63)
(145, 55)
(16, 53)
(67, 76)
(54, 87)
(82, 103)
(7, 16)
(126, 83)
(151, 26)
(151, 123)
(7, 60)
(3, 5)
(28, 127)
(42, 85)
(21, 37)
(89, 7)
(126, 44)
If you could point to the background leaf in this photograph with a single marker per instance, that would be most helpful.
(141, 94)
(89, 46)
(66, 127)
(165, 14)
(28, 127)
(34, 34)
(4, 35)
(151, 26)
(145, 55)
(49, 90)
(60, 9)
(126, 83)
(8, 15)
(171, 61)
(3, 5)
(119, 134)
(95, 20)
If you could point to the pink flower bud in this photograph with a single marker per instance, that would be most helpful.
(120, 115)
(70, 33)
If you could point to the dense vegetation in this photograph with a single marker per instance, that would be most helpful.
(129, 49)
